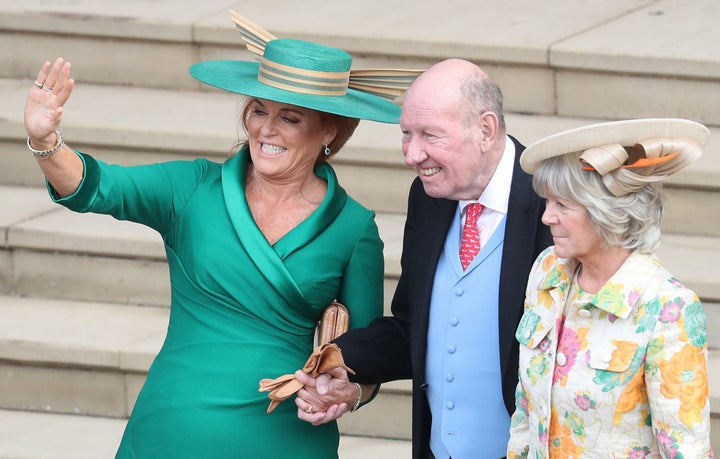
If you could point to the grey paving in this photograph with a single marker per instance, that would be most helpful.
(33, 435)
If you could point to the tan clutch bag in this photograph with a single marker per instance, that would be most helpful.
(334, 321)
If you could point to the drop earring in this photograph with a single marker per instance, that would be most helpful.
(326, 152)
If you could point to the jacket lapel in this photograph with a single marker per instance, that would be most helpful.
(437, 215)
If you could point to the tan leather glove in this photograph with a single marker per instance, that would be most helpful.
(324, 358)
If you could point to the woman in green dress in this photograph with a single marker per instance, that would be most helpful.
(256, 246)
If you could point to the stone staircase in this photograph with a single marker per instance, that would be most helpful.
(83, 298)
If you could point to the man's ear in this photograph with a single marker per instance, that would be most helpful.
(489, 126)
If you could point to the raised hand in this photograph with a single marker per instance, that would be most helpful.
(44, 106)
(43, 113)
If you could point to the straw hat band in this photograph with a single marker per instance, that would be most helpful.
(303, 80)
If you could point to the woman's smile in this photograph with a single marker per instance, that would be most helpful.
(272, 150)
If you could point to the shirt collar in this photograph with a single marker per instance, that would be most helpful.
(497, 193)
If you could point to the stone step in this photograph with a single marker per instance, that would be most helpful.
(97, 356)
(42, 435)
(549, 58)
(63, 357)
(149, 125)
(559, 67)
(51, 252)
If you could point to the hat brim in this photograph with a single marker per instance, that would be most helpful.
(625, 133)
(241, 77)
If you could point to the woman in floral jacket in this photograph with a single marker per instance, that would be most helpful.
(613, 349)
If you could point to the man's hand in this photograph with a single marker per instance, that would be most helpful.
(325, 398)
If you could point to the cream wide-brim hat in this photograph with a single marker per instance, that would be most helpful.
(627, 133)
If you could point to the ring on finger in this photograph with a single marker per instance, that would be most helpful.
(47, 88)
(309, 409)
(38, 84)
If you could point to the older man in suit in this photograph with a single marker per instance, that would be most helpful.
(455, 309)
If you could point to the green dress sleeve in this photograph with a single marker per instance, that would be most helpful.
(151, 194)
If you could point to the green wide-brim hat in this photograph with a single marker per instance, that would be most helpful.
(299, 73)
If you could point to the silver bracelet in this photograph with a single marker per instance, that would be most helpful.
(44, 154)
(356, 405)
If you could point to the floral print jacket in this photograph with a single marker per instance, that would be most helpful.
(617, 374)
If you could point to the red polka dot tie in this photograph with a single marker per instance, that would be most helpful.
(470, 244)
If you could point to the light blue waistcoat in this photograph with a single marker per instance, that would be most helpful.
(469, 418)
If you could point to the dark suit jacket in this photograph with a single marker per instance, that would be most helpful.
(394, 347)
